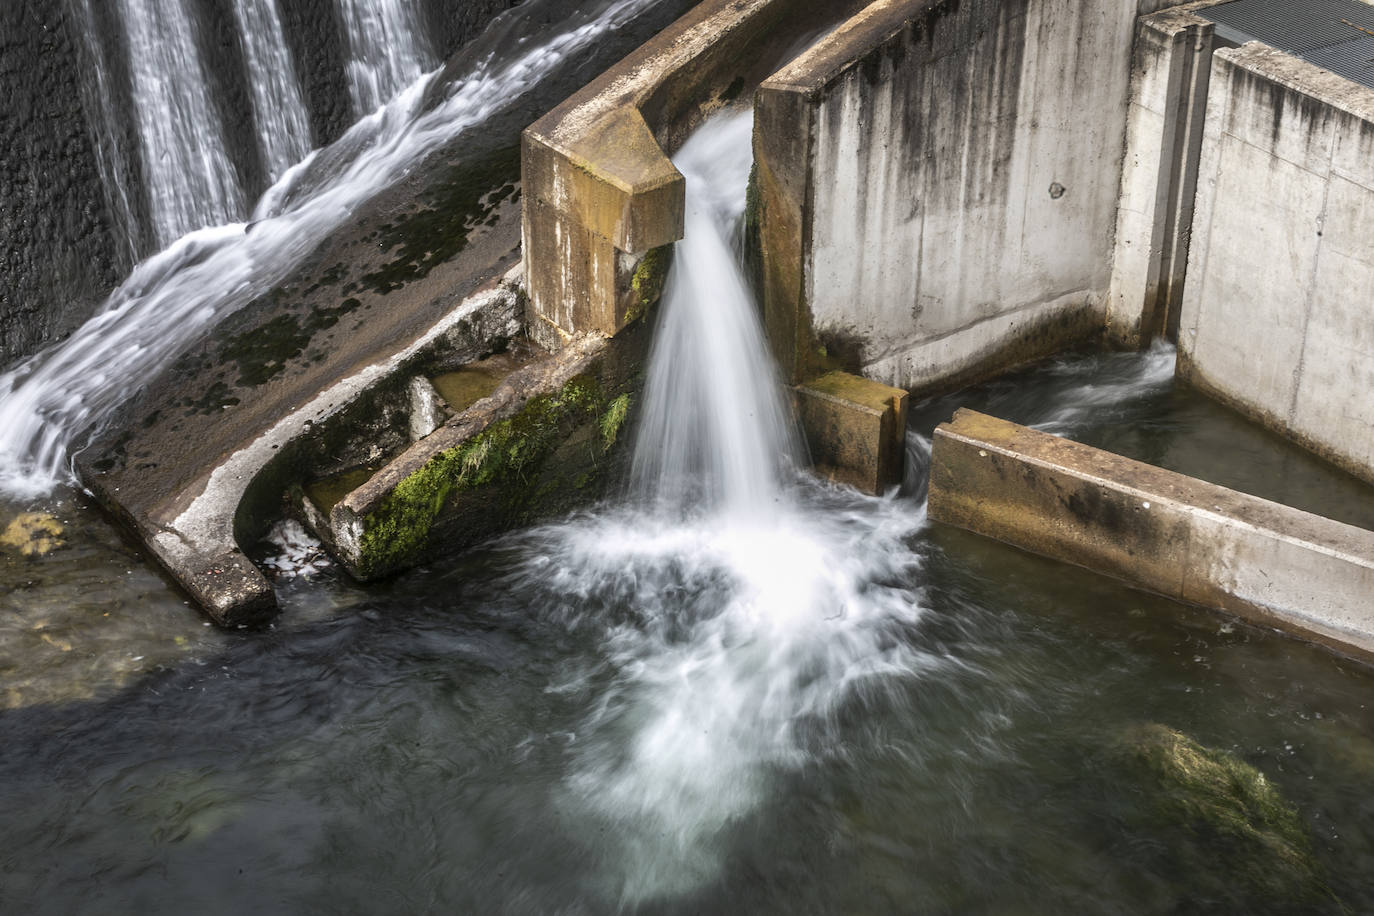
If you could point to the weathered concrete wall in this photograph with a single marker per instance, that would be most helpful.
(1162, 531)
(1276, 318)
(1170, 67)
(599, 189)
(939, 182)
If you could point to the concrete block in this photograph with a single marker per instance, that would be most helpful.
(1164, 532)
(855, 428)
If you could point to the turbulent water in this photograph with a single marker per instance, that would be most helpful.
(387, 49)
(190, 180)
(739, 604)
(48, 402)
(283, 126)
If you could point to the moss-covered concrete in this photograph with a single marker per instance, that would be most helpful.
(647, 282)
(506, 458)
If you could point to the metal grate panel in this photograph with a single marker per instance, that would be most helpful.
(1337, 35)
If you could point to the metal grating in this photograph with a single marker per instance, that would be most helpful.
(1337, 35)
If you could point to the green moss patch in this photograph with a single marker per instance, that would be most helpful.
(508, 457)
(648, 281)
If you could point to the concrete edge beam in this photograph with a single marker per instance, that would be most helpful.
(855, 429)
(1161, 531)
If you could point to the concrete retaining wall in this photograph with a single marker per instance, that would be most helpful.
(1276, 316)
(938, 184)
(1171, 534)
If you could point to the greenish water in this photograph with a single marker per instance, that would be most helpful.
(489, 737)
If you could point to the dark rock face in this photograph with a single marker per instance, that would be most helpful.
(68, 240)
(60, 253)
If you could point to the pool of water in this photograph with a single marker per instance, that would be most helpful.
(510, 734)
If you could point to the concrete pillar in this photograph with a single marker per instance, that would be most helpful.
(584, 213)
(1169, 79)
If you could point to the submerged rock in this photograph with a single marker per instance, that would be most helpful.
(33, 534)
(1241, 830)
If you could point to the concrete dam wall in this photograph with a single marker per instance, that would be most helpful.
(947, 205)
(74, 176)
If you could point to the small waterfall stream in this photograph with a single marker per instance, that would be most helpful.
(283, 126)
(387, 50)
(714, 433)
(745, 603)
(190, 180)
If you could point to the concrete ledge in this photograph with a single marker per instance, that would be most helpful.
(1171, 534)
(597, 182)
(855, 429)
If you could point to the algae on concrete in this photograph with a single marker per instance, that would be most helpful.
(613, 419)
(507, 452)
(648, 281)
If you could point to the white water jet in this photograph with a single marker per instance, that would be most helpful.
(186, 170)
(714, 432)
(55, 397)
(743, 604)
(386, 47)
(283, 127)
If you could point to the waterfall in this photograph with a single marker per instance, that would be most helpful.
(186, 169)
(714, 432)
(283, 127)
(742, 604)
(102, 118)
(386, 49)
(51, 400)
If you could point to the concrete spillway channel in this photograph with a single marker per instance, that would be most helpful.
(317, 378)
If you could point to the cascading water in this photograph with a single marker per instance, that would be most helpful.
(50, 400)
(387, 50)
(714, 432)
(190, 180)
(743, 604)
(283, 127)
(103, 119)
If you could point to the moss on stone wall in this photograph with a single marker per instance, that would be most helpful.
(508, 455)
(648, 282)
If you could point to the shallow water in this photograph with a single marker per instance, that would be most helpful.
(480, 738)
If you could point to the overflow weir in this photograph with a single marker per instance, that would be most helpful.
(942, 191)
